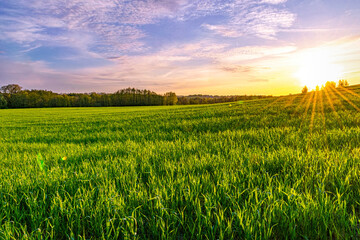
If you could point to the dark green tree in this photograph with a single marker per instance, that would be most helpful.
(11, 88)
(3, 102)
(305, 90)
(170, 98)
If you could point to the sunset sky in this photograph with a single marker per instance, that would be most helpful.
(187, 46)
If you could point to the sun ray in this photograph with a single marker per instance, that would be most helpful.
(322, 108)
(346, 99)
(290, 101)
(313, 112)
(323, 118)
(302, 101)
(349, 91)
(304, 119)
(334, 96)
(273, 102)
(306, 109)
(333, 108)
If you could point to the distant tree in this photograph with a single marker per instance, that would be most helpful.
(11, 89)
(95, 99)
(3, 102)
(305, 90)
(183, 100)
(105, 100)
(317, 88)
(84, 100)
(210, 99)
(343, 83)
(18, 100)
(329, 84)
(170, 98)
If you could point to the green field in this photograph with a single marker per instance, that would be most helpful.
(264, 169)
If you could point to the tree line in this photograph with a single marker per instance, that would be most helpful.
(12, 96)
(210, 99)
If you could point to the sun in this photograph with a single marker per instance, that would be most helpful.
(316, 68)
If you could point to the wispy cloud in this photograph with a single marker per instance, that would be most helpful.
(176, 68)
(242, 68)
(274, 1)
(114, 27)
(262, 21)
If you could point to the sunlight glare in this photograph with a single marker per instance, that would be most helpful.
(316, 68)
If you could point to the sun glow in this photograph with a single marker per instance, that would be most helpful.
(316, 68)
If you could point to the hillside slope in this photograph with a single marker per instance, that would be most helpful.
(271, 169)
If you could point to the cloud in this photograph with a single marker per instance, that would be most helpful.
(181, 68)
(211, 51)
(307, 30)
(114, 27)
(237, 69)
(110, 26)
(274, 1)
(31, 48)
(250, 53)
(223, 30)
(29, 74)
(242, 69)
(256, 20)
(117, 30)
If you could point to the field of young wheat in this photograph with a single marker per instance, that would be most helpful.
(264, 169)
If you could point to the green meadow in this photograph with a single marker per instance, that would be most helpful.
(282, 168)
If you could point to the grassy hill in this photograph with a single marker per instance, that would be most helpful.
(286, 167)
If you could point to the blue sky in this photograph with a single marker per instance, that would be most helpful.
(198, 46)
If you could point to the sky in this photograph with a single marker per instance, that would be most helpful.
(223, 47)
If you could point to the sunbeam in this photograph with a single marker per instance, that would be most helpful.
(306, 110)
(346, 99)
(302, 101)
(313, 112)
(333, 108)
(291, 100)
(333, 95)
(273, 102)
(349, 91)
(323, 118)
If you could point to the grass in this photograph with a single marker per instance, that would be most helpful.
(266, 169)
